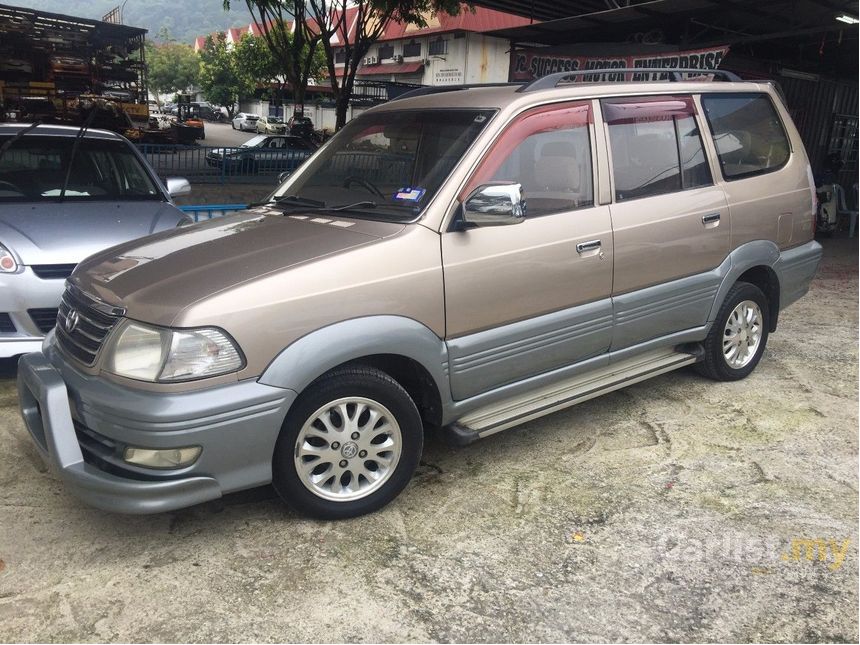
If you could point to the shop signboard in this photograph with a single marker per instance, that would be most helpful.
(528, 64)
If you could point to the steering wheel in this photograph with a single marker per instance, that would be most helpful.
(10, 186)
(352, 179)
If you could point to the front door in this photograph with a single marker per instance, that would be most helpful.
(531, 297)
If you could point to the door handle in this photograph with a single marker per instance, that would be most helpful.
(582, 247)
(712, 217)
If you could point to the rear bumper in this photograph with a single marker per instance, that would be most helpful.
(237, 426)
(796, 268)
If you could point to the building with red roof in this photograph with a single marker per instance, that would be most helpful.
(448, 50)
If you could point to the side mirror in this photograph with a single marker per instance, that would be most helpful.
(177, 186)
(496, 204)
(283, 176)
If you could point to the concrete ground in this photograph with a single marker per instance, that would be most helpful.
(222, 134)
(673, 510)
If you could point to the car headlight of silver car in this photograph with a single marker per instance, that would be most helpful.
(161, 355)
(7, 261)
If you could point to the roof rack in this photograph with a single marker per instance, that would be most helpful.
(423, 91)
(550, 81)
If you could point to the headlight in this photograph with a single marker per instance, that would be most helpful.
(157, 354)
(7, 261)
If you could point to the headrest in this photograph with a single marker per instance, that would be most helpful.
(558, 149)
(557, 167)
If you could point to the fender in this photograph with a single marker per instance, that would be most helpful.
(743, 258)
(316, 353)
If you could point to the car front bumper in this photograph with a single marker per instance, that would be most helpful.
(82, 424)
(21, 294)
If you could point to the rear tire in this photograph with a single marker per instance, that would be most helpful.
(348, 446)
(738, 337)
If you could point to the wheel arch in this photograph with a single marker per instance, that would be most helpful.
(766, 279)
(403, 348)
(752, 262)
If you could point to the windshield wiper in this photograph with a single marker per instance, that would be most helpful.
(89, 120)
(292, 199)
(348, 207)
(18, 135)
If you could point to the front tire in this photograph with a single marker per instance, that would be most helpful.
(349, 445)
(738, 337)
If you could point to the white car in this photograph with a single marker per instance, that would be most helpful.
(243, 121)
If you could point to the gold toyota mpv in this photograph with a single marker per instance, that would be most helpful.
(464, 258)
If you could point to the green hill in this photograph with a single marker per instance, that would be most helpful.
(184, 19)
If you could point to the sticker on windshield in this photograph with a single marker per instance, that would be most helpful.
(409, 194)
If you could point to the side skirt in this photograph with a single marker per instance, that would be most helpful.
(511, 412)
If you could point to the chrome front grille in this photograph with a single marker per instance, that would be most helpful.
(83, 323)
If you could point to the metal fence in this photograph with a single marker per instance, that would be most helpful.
(203, 212)
(219, 165)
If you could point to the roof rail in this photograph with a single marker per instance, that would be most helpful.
(552, 80)
(423, 91)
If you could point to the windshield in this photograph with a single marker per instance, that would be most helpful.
(34, 168)
(390, 162)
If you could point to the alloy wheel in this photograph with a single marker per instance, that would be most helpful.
(348, 449)
(742, 334)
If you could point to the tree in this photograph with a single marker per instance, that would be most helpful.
(356, 24)
(294, 52)
(256, 59)
(356, 32)
(171, 67)
(222, 80)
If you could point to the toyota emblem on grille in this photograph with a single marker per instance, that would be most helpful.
(71, 321)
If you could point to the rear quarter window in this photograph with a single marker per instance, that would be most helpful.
(747, 132)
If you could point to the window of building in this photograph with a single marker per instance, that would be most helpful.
(411, 49)
(546, 150)
(438, 47)
(339, 56)
(385, 52)
(843, 140)
(656, 146)
(747, 132)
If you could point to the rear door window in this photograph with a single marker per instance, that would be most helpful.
(656, 146)
(747, 132)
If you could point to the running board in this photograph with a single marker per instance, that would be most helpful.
(551, 398)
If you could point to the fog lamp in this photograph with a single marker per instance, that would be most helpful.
(163, 458)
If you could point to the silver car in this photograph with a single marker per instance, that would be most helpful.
(111, 195)
(271, 125)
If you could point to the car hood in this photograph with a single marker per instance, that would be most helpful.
(66, 233)
(159, 276)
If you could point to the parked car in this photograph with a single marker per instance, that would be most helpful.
(300, 126)
(15, 67)
(262, 153)
(206, 110)
(112, 196)
(244, 121)
(271, 125)
(69, 65)
(465, 260)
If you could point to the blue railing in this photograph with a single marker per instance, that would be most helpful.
(222, 165)
(209, 211)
